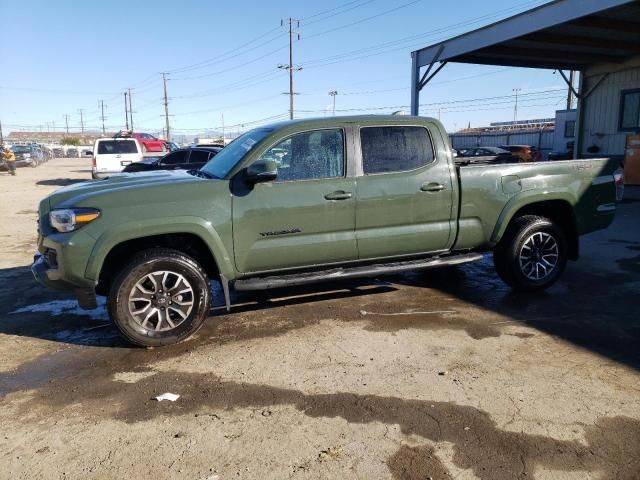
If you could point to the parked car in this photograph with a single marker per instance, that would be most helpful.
(181, 159)
(526, 153)
(72, 153)
(566, 155)
(148, 143)
(172, 146)
(112, 155)
(47, 152)
(58, 152)
(26, 155)
(86, 153)
(484, 155)
(329, 209)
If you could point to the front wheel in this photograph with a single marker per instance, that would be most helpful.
(532, 254)
(162, 297)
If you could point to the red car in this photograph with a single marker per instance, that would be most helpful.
(149, 143)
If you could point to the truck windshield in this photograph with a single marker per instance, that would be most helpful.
(21, 149)
(227, 158)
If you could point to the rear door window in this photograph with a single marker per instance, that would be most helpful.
(176, 158)
(111, 147)
(395, 149)
(199, 156)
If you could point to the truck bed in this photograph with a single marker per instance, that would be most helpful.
(490, 195)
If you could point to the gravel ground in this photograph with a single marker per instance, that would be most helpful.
(440, 375)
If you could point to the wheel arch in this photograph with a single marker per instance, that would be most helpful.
(558, 210)
(197, 240)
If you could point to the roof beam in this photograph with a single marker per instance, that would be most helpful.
(520, 63)
(550, 55)
(605, 23)
(579, 41)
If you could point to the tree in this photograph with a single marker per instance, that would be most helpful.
(75, 141)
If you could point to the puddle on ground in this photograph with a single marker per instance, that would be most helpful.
(66, 307)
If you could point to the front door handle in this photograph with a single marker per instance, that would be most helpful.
(432, 187)
(338, 195)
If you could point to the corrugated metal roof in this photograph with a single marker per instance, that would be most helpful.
(564, 34)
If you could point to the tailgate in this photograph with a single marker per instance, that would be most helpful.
(114, 155)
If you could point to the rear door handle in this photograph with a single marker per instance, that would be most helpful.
(338, 195)
(432, 187)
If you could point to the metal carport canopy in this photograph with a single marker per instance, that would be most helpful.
(564, 34)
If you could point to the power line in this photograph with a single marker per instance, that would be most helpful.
(235, 67)
(228, 107)
(446, 29)
(306, 23)
(218, 58)
(366, 19)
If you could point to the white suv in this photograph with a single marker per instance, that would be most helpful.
(111, 155)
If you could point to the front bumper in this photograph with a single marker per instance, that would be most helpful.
(51, 276)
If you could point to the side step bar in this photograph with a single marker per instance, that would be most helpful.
(342, 273)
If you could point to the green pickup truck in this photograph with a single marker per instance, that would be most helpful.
(311, 201)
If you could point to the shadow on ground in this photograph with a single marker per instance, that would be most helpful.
(60, 182)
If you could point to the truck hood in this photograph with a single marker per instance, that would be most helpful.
(122, 184)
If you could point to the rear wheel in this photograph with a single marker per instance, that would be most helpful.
(162, 297)
(532, 254)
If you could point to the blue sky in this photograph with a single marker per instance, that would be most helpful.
(222, 57)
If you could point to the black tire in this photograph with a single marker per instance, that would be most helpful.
(507, 254)
(138, 269)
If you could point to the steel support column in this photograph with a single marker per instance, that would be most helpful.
(415, 84)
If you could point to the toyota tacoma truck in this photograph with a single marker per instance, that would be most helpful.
(315, 200)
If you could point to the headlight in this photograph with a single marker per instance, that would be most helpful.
(70, 219)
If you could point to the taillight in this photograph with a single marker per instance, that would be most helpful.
(93, 162)
(618, 177)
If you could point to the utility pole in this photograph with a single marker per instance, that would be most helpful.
(66, 121)
(102, 117)
(130, 110)
(126, 111)
(222, 128)
(333, 93)
(81, 111)
(290, 66)
(515, 107)
(572, 75)
(1, 136)
(166, 106)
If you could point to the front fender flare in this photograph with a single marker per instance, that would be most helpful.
(159, 226)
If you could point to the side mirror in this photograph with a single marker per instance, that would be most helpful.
(262, 171)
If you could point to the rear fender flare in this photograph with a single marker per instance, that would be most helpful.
(520, 201)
